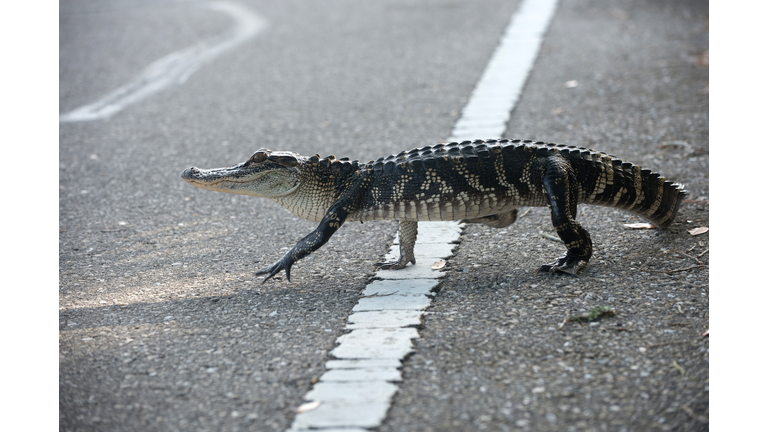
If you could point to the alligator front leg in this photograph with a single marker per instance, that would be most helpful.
(331, 222)
(408, 232)
(561, 196)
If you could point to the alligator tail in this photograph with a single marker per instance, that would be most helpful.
(608, 181)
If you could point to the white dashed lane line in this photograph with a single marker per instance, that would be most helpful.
(357, 389)
(175, 68)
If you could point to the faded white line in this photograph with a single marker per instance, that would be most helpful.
(357, 390)
(175, 68)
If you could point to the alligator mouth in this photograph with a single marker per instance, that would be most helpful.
(218, 176)
(267, 183)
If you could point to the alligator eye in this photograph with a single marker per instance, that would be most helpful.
(260, 156)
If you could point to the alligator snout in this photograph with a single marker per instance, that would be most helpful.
(189, 173)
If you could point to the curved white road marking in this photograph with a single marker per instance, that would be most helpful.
(174, 68)
(356, 391)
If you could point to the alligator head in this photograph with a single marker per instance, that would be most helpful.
(265, 174)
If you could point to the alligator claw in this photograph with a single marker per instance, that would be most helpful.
(397, 265)
(568, 264)
(390, 265)
(284, 264)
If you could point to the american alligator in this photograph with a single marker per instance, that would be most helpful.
(481, 181)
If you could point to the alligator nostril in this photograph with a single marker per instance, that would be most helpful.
(190, 172)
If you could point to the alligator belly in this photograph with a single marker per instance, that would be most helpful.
(434, 209)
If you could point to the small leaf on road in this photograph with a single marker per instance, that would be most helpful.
(438, 265)
(697, 231)
(703, 58)
(597, 312)
(309, 406)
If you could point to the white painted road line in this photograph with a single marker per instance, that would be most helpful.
(175, 68)
(487, 112)
(356, 391)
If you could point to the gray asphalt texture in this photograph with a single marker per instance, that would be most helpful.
(163, 325)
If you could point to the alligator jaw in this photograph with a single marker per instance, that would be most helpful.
(244, 180)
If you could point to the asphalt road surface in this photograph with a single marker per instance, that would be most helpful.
(163, 325)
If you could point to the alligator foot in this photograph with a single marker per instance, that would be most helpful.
(285, 263)
(390, 265)
(568, 264)
(396, 265)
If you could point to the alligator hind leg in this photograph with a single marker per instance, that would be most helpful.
(408, 232)
(562, 204)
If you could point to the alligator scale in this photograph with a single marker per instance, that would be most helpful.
(481, 181)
